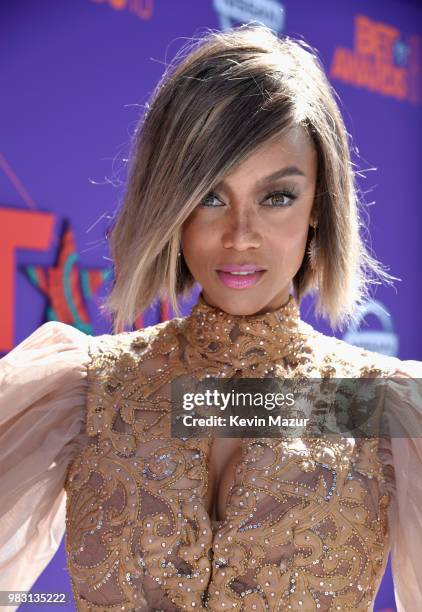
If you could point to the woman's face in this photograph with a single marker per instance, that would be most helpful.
(259, 217)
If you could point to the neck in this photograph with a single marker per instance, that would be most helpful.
(284, 314)
(246, 342)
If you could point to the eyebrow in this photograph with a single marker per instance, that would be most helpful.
(288, 171)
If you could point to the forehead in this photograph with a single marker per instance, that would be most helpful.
(292, 148)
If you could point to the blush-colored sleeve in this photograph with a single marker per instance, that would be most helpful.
(402, 456)
(42, 415)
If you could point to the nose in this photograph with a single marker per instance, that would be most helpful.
(241, 231)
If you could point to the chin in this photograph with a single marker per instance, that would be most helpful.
(241, 305)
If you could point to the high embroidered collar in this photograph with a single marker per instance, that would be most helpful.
(243, 340)
(286, 317)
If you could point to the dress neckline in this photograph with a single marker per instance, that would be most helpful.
(286, 315)
(250, 343)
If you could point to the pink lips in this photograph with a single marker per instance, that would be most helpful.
(240, 281)
(240, 268)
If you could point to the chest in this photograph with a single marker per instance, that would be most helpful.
(230, 516)
(225, 455)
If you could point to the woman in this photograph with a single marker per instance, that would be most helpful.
(241, 181)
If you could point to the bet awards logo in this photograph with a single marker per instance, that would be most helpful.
(268, 12)
(382, 61)
(383, 340)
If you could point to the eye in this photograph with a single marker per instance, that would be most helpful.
(279, 195)
(210, 196)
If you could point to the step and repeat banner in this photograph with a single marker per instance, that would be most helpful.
(74, 78)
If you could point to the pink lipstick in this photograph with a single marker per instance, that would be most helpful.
(238, 276)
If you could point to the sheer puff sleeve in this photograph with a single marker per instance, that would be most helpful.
(402, 456)
(42, 400)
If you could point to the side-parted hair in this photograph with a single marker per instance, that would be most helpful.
(226, 94)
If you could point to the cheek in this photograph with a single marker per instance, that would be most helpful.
(289, 236)
(195, 239)
(287, 243)
(188, 233)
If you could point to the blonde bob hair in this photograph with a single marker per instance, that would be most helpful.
(224, 95)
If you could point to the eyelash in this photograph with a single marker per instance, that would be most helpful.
(285, 192)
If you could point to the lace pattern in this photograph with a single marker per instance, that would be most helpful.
(306, 519)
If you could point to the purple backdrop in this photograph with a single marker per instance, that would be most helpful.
(74, 77)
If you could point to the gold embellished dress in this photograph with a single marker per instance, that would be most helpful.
(86, 450)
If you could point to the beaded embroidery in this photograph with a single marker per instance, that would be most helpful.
(306, 519)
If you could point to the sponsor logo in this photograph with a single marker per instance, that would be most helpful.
(382, 61)
(269, 12)
(141, 8)
(384, 340)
